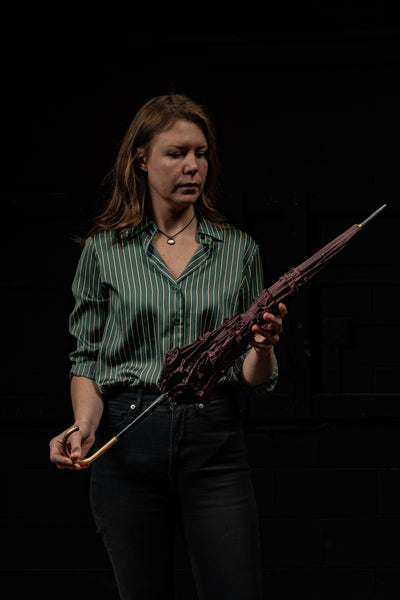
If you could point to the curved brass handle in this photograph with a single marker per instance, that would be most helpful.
(88, 459)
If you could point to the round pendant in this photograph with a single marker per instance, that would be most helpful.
(171, 241)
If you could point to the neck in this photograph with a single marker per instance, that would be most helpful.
(170, 222)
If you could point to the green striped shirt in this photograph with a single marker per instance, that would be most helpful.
(130, 311)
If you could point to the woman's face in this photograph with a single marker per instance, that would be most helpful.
(176, 165)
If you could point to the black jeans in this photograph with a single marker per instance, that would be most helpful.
(184, 465)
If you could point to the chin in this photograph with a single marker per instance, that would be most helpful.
(187, 199)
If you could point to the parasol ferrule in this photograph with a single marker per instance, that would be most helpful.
(373, 215)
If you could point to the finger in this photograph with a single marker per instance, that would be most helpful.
(270, 328)
(266, 323)
(74, 445)
(61, 461)
(271, 318)
(76, 451)
(282, 309)
(67, 464)
(57, 455)
(267, 316)
(268, 339)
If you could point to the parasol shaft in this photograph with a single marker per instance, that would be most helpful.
(373, 215)
(159, 400)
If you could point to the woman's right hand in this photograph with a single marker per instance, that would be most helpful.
(79, 444)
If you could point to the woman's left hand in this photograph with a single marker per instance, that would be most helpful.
(267, 335)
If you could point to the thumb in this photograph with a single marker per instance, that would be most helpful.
(76, 445)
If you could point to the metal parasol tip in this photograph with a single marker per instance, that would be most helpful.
(373, 215)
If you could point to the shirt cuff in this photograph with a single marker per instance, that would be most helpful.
(86, 369)
(255, 390)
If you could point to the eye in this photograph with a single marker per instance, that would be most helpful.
(202, 151)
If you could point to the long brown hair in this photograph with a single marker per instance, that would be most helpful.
(128, 201)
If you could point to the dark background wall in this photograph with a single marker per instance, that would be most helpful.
(308, 128)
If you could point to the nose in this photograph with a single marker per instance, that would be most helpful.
(190, 165)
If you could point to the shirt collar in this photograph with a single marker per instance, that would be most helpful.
(205, 228)
(145, 225)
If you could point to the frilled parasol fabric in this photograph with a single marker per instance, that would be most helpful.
(191, 372)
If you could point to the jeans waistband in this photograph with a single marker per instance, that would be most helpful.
(137, 394)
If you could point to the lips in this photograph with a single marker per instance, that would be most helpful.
(188, 185)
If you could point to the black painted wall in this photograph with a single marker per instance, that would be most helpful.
(308, 128)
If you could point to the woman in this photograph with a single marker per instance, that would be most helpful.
(160, 268)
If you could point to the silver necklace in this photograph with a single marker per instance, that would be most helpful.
(171, 240)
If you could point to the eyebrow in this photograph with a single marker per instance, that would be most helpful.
(185, 146)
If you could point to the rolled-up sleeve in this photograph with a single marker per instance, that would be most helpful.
(89, 315)
(251, 287)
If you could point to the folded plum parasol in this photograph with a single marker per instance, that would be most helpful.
(191, 372)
